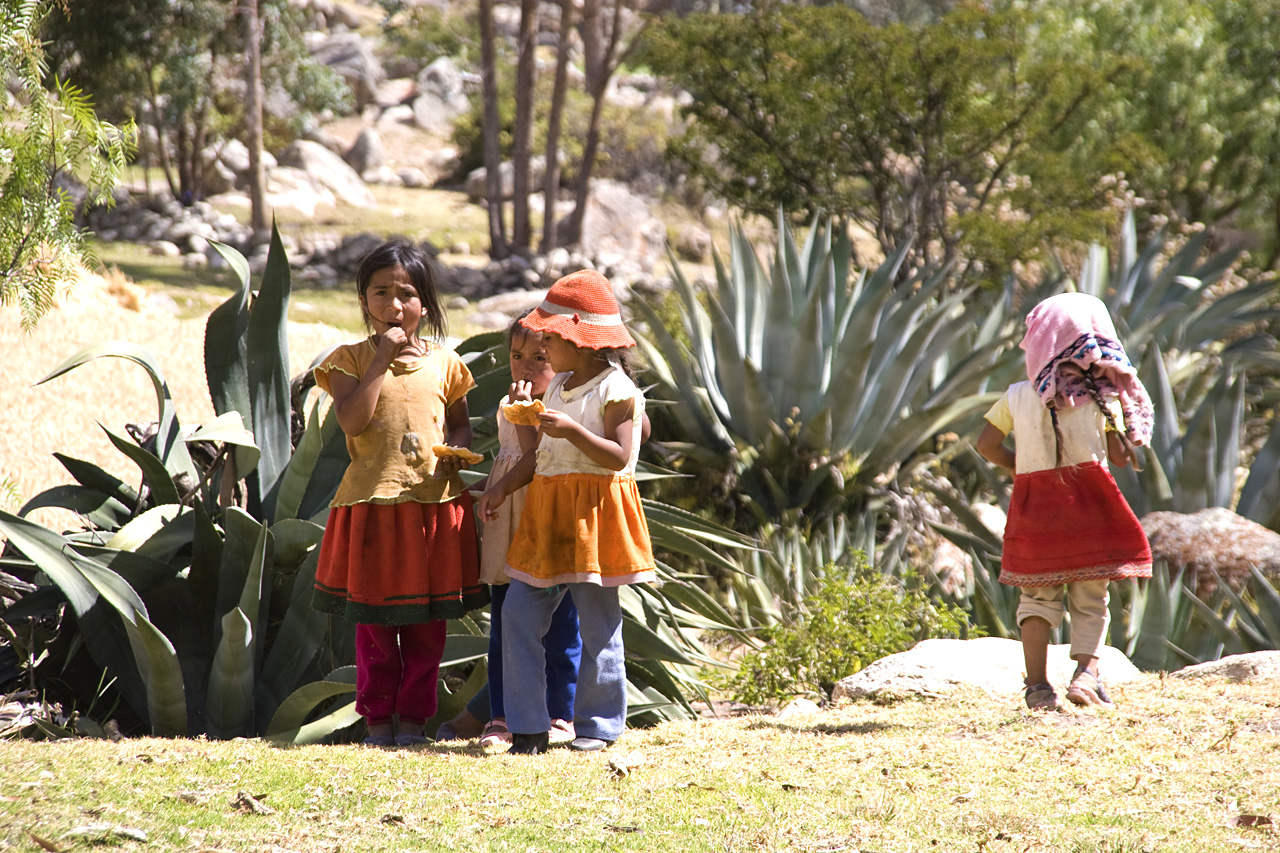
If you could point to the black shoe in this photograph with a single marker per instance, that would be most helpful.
(528, 744)
(589, 744)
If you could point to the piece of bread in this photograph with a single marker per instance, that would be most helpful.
(469, 456)
(524, 412)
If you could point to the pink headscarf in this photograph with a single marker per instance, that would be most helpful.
(1073, 331)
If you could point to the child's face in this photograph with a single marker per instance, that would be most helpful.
(529, 362)
(564, 355)
(392, 300)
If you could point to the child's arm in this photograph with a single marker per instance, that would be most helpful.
(354, 400)
(457, 433)
(1117, 452)
(520, 475)
(611, 450)
(991, 446)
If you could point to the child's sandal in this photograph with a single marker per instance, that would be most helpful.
(1087, 689)
(1042, 697)
(495, 734)
(561, 732)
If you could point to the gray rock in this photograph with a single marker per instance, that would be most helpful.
(992, 664)
(1255, 666)
(366, 152)
(330, 170)
(619, 222)
(164, 248)
(352, 58)
(413, 177)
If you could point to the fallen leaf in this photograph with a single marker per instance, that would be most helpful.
(1250, 820)
(615, 828)
(966, 796)
(392, 818)
(45, 843)
(249, 803)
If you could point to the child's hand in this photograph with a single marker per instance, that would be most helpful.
(520, 391)
(557, 424)
(447, 466)
(489, 503)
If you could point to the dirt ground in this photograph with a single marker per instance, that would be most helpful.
(64, 414)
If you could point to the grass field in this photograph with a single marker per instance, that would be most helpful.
(1184, 765)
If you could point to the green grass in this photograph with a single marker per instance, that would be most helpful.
(971, 773)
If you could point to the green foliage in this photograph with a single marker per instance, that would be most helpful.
(200, 610)
(47, 139)
(946, 131)
(422, 34)
(1190, 119)
(853, 616)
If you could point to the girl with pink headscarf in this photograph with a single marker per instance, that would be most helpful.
(1069, 527)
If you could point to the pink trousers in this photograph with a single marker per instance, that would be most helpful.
(397, 667)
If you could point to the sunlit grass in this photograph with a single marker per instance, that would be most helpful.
(968, 773)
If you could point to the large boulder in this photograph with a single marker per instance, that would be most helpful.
(442, 96)
(330, 170)
(366, 152)
(619, 224)
(938, 667)
(298, 190)
(1211, 544)
(352, 58)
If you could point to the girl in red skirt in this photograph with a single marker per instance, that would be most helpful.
(1069, 528)
(400, 554)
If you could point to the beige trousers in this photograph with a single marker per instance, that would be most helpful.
(1089, 614)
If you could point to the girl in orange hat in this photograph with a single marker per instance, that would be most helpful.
(583, 530)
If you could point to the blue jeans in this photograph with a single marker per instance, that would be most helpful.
(563, 649)
(600, 708)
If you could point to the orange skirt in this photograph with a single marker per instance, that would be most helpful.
(401, 563)
(582, 528)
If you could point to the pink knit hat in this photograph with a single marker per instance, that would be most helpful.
(581, 309)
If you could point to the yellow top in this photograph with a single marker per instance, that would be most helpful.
(391, 460)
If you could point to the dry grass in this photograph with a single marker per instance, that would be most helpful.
(1183, 766)
(62, 414)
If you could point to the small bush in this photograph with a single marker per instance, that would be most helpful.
(852, 618)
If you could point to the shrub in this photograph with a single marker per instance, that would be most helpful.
(850, 619)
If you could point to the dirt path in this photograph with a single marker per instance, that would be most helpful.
(64, 414)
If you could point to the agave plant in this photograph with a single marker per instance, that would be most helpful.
(197, 608)
(808, 382)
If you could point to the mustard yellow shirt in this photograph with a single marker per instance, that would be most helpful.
(391, 460)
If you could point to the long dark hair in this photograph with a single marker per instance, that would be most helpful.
(413, 260)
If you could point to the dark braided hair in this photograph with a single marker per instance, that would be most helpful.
(1096, 393)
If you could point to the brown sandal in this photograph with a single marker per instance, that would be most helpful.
(1087, 689)
(1042, 697)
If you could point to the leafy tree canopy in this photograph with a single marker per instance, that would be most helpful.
(988, 133)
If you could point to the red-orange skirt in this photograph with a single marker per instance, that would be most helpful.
(397, 564)
(1071, 524)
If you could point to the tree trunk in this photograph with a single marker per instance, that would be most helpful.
(526, 78)
(595, 60)
(551, 179)
(493, 177)
(253, 121)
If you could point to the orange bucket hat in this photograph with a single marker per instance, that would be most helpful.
(581, 309)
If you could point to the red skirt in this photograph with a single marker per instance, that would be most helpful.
(1071, 524)
(401, 563)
